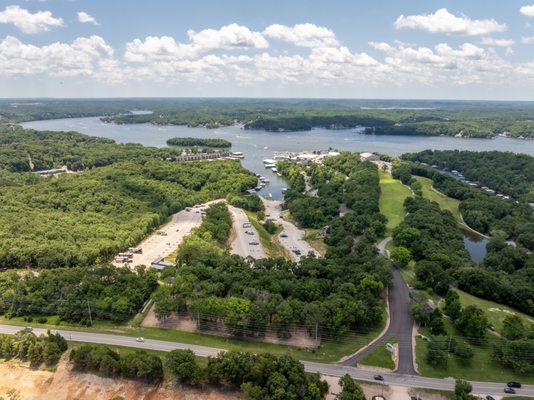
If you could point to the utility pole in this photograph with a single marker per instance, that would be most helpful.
(89, 308)
(317, 333)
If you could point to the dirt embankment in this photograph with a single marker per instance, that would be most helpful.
(65, 384)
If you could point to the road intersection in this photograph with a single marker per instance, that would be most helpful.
(336, 370)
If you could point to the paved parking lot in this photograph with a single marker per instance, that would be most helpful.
(291, 237)
(246, 234)
(167, 238)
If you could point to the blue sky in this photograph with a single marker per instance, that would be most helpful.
(471, 49)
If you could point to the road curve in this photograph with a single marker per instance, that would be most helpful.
(407, 380)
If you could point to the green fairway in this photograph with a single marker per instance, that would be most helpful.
(494, 311)
(392, 195)
(482, 367)
(445, 202)
(380, 357)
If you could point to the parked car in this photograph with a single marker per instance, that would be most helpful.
(140, 339)
(284, 235)
(509, 390)
(253, 243)
(514, 384)
(488, 397)
(378, 378)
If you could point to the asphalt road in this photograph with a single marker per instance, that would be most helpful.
(401, 321)
(241, 244)
(400, 327)
(336, 370)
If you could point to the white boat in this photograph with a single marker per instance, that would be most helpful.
(270, 165)
(238, 154)
(274, 169)
(270, 195)
(269, 161)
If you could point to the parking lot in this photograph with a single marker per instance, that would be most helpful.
(247, 241)
(291, 237)
(166, 239)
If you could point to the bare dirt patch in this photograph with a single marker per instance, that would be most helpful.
(65, 384)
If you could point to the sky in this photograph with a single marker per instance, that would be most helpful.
(409, 49)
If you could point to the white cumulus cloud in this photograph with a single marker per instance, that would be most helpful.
(305, 35)
(80, 57)
(229, 37)
(86, 18)
(527, 40)
(488, 41)
(527, 10)
(41, 21)
(442, 21)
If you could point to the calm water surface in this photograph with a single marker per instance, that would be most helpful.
(259, 145)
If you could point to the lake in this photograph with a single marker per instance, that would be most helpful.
(258, 145)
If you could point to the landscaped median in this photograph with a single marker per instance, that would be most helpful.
(382, 356)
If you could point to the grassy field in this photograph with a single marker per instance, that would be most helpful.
(481, 367)
(494, 311)
(392, 196)
(380, 357)
(313, 237)
(329, 351)
(445, 202)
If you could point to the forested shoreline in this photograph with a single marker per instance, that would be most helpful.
(402, 117)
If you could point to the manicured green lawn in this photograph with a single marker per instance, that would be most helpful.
(445, 202)
(481, 367)
(494, 311)
(392, 196)
(380, 357)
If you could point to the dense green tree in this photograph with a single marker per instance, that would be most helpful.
(512, 327)
(401, 255)
(350, 390)
(183, 365)
(472, 322)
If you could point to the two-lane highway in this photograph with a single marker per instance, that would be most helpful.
(337, 370)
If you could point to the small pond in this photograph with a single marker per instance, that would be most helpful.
(475, 245)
